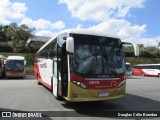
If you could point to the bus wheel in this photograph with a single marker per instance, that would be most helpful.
(142, 74)
(39, 83)
(3, 74)
(158, 74)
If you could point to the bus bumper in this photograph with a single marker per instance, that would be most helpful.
(15, 75)
(77, 94)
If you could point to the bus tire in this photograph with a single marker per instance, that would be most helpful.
(39, 83)
(142, 74)
(57, 97)
(52, 85)
(3, 74)
(158, 74)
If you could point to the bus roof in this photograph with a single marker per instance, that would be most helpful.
(89, 32)
(15, 58)
(146, 64)
(80, 31)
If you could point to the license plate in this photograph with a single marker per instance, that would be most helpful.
(103, 94)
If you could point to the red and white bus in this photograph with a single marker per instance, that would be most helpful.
(82, 65)
(15, 66)
(147, 70)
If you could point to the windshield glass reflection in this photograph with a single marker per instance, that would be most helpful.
(97, 55)
(15, 65)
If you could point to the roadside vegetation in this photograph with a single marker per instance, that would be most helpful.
(145, 52)
(13, 37)
(140, 60)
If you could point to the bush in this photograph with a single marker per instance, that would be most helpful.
(142, 60)
(32, 49)
(129, 54)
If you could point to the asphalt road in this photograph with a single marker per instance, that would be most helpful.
(142, 94)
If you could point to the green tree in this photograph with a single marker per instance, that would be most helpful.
(24, 33)
(129, 51)
(151, 51)
(11, 35)
(18, 35)
(2, 34)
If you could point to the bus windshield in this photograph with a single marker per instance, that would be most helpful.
(97, 55)
(15, 65)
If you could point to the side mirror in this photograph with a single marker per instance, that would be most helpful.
(25, 62)
(136, 49)
(70, 45)
(135, 46)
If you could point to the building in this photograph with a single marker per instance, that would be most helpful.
(37, 41)
(33, 44)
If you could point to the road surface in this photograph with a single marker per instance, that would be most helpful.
(142, 94)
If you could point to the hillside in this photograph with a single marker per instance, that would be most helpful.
(140, 60)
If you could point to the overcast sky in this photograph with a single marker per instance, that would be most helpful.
(136, 21)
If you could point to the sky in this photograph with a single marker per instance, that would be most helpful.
(136, 21)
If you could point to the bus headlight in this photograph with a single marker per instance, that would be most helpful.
(80, 84)
(121, 83)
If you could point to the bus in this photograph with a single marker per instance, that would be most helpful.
(2, 71)
(147, 70)
(128, 69)
(82, 65)
(15, 66)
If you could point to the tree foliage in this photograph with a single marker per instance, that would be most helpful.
(148, 52)
(24, 33)
(2, 34)
(16, 35)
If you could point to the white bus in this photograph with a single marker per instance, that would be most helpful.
(128, 69)
(15, 66)
(82, 65)
(147, 70)
(2, 70)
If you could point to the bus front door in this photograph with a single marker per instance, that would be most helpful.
(64, 76)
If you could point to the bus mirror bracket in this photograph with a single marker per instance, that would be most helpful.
(135, 46)
(24, 62)
(70, 45)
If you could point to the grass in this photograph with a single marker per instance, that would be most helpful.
(29, 67)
